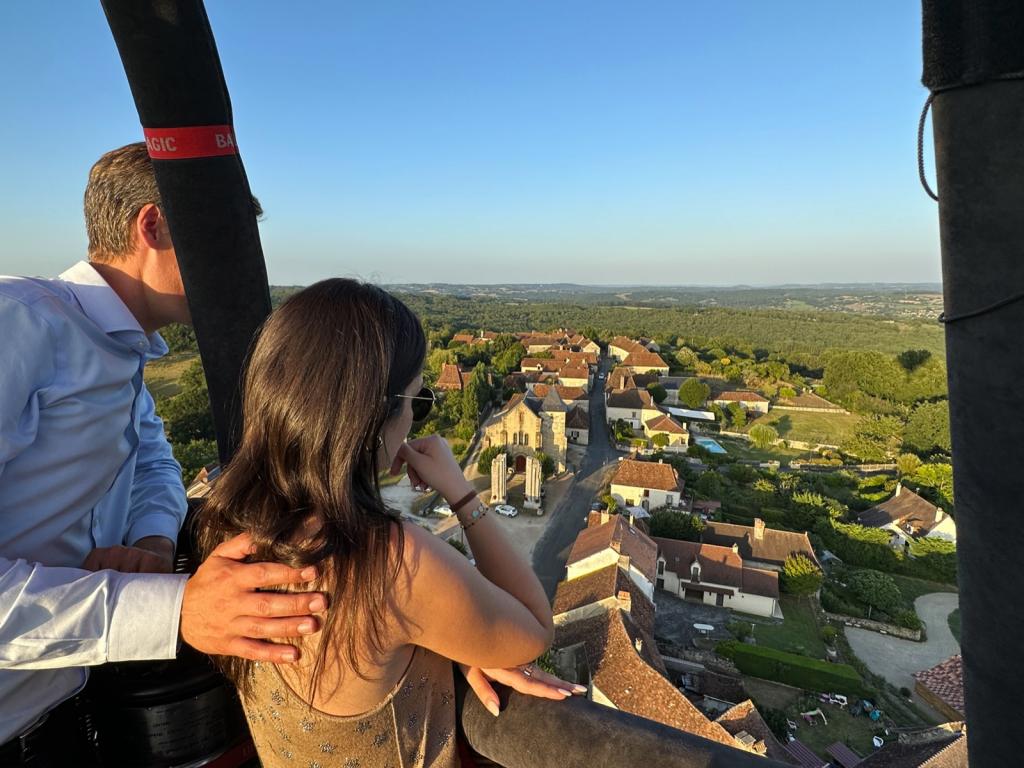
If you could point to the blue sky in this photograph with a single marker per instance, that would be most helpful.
(648, 142)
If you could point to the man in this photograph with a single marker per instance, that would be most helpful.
(91, 498)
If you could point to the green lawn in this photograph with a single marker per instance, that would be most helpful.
(954, 624)
(826, 428)
(855, 732)
(162, 375)
(798, 633)
(740, 449)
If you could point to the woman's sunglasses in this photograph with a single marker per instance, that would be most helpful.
(422, 403)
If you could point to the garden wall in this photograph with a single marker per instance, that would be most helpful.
(881, 627)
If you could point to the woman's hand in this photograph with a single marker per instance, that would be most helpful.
(528, 679)
(429, 461)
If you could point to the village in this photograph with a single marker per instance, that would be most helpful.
(700, 572)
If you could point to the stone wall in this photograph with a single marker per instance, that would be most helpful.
(876, 626)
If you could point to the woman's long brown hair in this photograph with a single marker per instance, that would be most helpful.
(319, 387)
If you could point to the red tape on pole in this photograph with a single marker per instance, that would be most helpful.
(191, 142)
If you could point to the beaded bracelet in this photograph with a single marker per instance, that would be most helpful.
(477, 515)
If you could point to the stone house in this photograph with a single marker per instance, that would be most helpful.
(646, 484)
(760, 547)
(526, 425)
(749, 401)
(677, 435)
(907, 517)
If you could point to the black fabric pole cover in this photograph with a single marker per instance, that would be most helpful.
(973, 52)
(171, 61)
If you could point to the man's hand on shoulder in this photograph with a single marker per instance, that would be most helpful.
(152, 554)
(223, 613)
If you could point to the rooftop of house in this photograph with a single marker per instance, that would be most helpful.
(665, 423)
(906, 509)
(647, 474)
(642, 358)
(564, 392)
(573, 372)
(451, 377)
(735, 396)
(718, 565)
(578, 418)
(744, 717)
(541, 364)
(756, 542)
(608, 582)
(941, 747)
(625, 539)
(629, 676)
(630, 398)
(623, 378)
(946, 681)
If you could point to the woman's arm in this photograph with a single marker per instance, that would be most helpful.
(430, 460)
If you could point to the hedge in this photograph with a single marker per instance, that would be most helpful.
(800, 671)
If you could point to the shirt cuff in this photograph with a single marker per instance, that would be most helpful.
(145, 615)
(165, 525)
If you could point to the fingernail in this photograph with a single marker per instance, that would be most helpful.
(492, 707)
(290, 656)
(306, 628)
(317, 604)
(564, 692)
(309, 573)
(579, 688)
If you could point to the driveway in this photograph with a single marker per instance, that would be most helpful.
(896, 660)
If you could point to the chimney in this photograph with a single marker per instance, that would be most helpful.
(899, 487)
(939, 514)
(625, 600)
(758, 529)
(624, 562)
(735, 548)
(661, 461)
(639, 645)
(630, 519)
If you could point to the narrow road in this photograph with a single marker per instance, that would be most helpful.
(896, 660)
(570, 517)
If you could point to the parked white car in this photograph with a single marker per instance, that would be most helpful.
(444, 510)
(507, 510)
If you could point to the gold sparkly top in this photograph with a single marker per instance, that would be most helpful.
(413, 727)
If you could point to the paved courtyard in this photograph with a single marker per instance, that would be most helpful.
(675, 618)
(896, 660)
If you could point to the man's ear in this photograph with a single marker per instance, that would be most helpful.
(150, 228)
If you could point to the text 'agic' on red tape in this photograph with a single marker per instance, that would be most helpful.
(191, 142)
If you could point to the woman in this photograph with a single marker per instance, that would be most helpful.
(332, 388)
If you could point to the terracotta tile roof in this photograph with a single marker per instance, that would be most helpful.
(620, 536)
(757, 581)
(666, 423)
(566, 393)
(774, 546)
(574, 356)
(577, 419)
(630, 398)
(744, 397)
(600, 585)
(805, 757)
(905, 508)
(808, 400)
(946, 681)
(641, 358)
(451, 377)
(542, 363)
(625, 343)
(463, 338)
(745, 717)
(621, 673)
(646, 474)
(947, 750)
(569, 372)
(718, 565)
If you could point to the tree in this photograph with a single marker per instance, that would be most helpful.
(687, 358)
(660, 440)
(737, 416)
(763, 436)
(681, 526)
(787, 392)
(187, 415)
(938, 479)
(459, 546)
(913, 358)
(487, 456)
(800, 576)
(927, 428)
(877, 590)
(508, 361)
(709, 485)
(693, 393)
(875, 438)
(658, 393)
(179, 338)
(907, 464)
(193, 456)
(547, 464)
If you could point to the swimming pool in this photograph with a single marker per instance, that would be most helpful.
(709, 445)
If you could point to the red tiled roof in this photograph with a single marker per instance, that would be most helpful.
(718, 565)
(619, 535)
(745, 717)
(569, 372)
(544, 364)
(905, 508)
(630, 398)
(642, 358)
(646, 474)
(666, 423)
(946, 681)
(566, 393)
(463, 338)
(943, 749)
(600, 585)
(629, 680)
(577, 419)
(744, 397)
(450, 378)
(757, 581)
(774, 546)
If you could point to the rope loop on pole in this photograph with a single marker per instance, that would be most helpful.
(920, 148)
